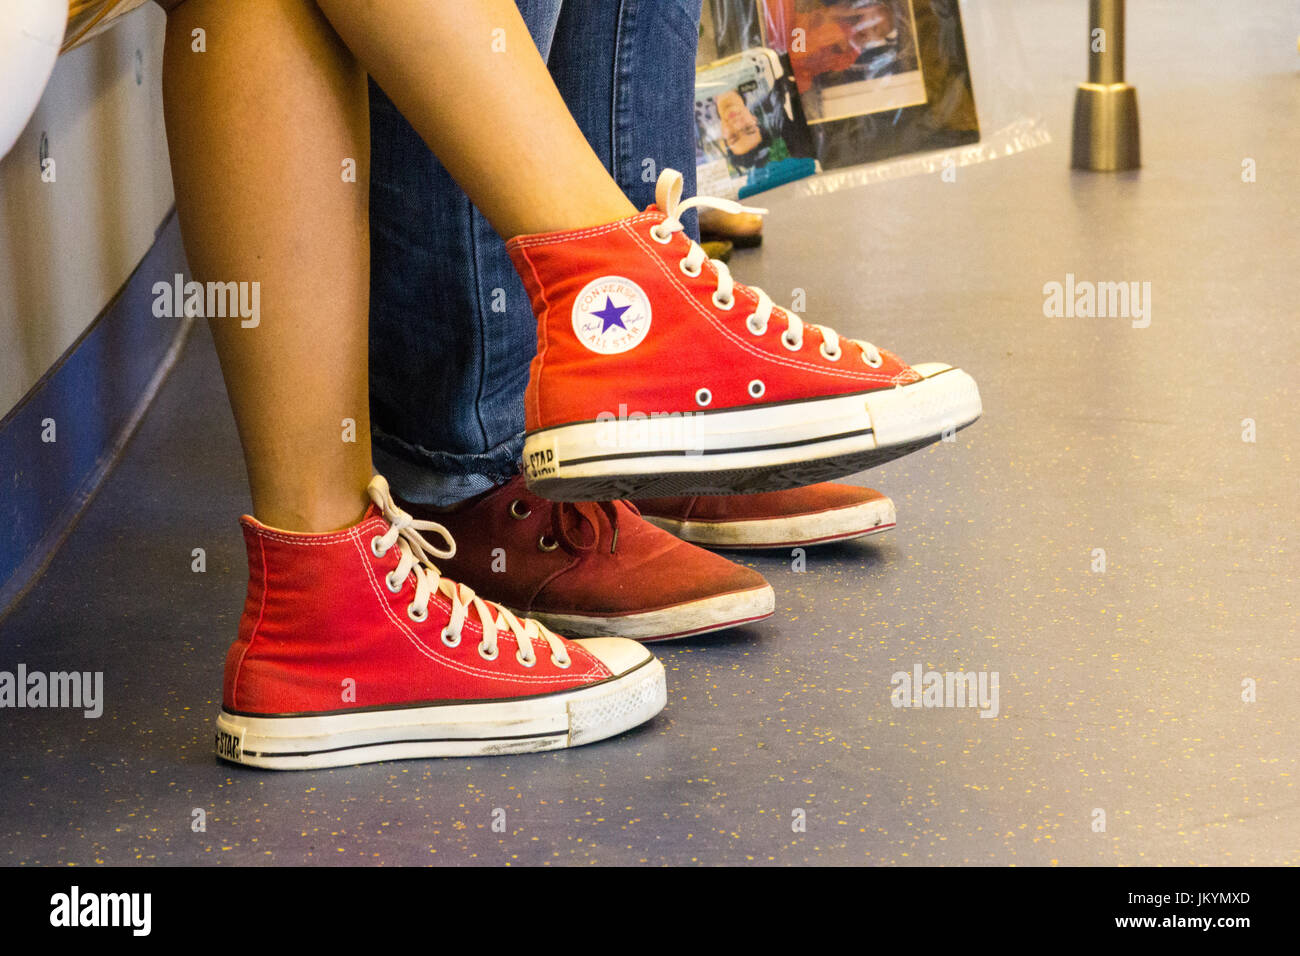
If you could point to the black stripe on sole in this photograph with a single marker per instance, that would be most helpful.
(732, 481)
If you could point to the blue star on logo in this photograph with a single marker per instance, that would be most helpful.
(611, 316)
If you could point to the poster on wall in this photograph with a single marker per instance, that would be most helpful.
(851, 59)
(748, 136)
(875, 79)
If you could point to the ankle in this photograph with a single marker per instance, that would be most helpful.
(310, 513)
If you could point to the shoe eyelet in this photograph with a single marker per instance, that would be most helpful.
(755, 327)
(450, 638)
(394, 587)
(880, 360)
(724, 304)
(375, 543)
(525, 661)
(655, 235)
(703, 397)
(415, 614)
(547, 543)
(516, 505)
(486, 656)
(828, 356)
(562, 663)
(792, 346)
(681, 264)
(757, 388)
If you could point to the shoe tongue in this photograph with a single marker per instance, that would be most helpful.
(580, 524)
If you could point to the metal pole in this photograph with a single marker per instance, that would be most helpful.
(1106, 136)
(1106, 60)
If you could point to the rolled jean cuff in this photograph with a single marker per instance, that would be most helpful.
(441, 479)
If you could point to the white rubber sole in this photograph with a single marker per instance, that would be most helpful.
(839, 524)
(670, 623)
(738, 451)
(523, 725)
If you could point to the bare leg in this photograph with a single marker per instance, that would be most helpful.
(258, 127)
(494, 119)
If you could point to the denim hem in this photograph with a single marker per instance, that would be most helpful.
(441, 478)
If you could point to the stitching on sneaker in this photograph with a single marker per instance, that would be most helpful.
(736, 339)
(436, 656)
(549, 238)
(313, 540)
(544, 337)
(261, 613)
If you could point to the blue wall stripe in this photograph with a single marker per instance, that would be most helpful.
(93, 394)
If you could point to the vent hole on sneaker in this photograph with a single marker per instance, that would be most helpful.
(519, 510)
(757, 388)
(703, 397)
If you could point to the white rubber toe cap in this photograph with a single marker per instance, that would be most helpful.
(930, 369)
(617, 653)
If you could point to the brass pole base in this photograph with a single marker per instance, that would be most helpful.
(1106, 127)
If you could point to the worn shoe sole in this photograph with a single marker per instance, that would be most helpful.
(671, 623)
(835, 524)
(741, 451)
(453, 729)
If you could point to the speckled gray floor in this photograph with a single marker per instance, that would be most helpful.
(1120, 691)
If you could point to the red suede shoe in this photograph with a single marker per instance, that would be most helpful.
(658, 375)
(587, 569)
(353, 648)
(816, 514)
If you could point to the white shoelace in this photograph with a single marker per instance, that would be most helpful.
(415, 552)
(668, 197)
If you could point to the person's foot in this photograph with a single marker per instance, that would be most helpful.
(816, 514)
(586, 569)
(718, 249)
(743, 229)
(353, 648)
(658, 375)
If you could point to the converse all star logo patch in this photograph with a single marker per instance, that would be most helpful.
(611, 315)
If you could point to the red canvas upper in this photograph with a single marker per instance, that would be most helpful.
(690, 343)
(318, 614)
(592, 559)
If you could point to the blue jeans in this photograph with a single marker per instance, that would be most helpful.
(451, 329)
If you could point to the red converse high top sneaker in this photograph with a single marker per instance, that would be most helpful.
(595, 569)
(658, 375)
(352, 649)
